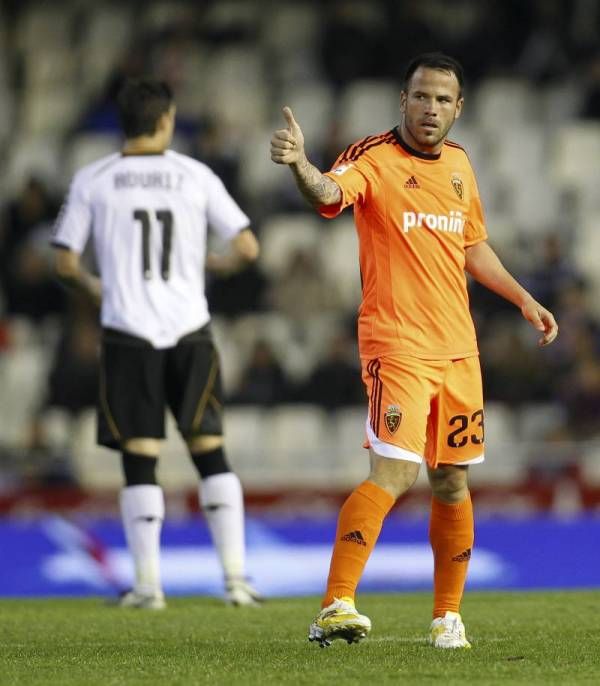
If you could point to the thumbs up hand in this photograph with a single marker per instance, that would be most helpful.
(287, 145)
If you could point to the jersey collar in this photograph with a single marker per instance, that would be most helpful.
(410, 150)
(149, 153)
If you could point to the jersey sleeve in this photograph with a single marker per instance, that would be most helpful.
(74, 222)
(224, 215)
(353, 177)
(475, 230)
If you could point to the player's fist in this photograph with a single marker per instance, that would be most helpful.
(287, 145)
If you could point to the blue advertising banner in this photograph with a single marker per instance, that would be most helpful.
(54, 556)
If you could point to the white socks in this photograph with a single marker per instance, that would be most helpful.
(222, 502)
(143, 511)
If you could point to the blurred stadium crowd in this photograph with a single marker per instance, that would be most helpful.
(286, 328)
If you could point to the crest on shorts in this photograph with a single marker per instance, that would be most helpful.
(392, 418)
(457, 184)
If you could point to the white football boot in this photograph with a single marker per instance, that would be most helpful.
(448, 632)
(239, 593)
(154, 601)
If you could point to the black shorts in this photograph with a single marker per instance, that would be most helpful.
(138, 382)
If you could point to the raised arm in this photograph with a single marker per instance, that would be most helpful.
(484, 266)
(287, 147)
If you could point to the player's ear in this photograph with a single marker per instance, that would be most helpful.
(164, 121)
(459, 106)
(403, 101)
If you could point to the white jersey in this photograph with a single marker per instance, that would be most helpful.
(148, 216)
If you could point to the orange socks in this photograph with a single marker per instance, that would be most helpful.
(451, 533)
(359, 525)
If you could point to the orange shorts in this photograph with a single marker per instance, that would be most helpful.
(430, 409)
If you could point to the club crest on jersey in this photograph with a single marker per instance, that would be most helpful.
(457, 184)
(341, 169)
(392, 418)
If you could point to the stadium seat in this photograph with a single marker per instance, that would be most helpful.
(467, 134)
(504, 455)
(293, 355)
(176, 471)
(49, 68)
(518, 152)
(590, 464)
(585, 253)
(86, 148)
(33, 156)
(350, 459)
(313, 105)
(49, 110)
(160, 15)
(368, 107)
(229, 353)
(575, 153)
(235, 90)
(289, 28)
(95, 467)
(534, 202)
(108, 24)
(281, 235)
(299, 446)
(259, 177)
(503, 233)
(562, 101)
(340, 245)
(232, 15)
(192, 97)
(536, 420)
(246, 442)
(23, 373)
(41, 27)
(501, 102)
(319, 330)
(108, 28)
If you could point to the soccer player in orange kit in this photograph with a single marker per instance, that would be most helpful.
(420, 226)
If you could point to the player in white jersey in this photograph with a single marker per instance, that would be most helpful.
(147, 210)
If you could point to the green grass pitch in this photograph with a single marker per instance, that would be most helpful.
(518, 638)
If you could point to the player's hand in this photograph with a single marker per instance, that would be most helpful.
(542, 319)
(287, 145)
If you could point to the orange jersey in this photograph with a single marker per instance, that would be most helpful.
(415, 214)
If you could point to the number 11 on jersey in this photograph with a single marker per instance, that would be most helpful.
(165, 217)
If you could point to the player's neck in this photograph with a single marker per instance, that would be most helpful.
(413, 143)
(144, 145)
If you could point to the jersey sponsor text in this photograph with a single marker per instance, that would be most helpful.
(452, 223)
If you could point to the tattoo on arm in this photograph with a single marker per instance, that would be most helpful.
(317, 188)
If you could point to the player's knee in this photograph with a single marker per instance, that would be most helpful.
(449, 483)
(211, 462)
(205, 443)
(139, 470)
(393, 475)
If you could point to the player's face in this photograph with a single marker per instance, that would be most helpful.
(430, 105)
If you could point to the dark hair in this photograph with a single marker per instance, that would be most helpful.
(435, 60)
(141, 103)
